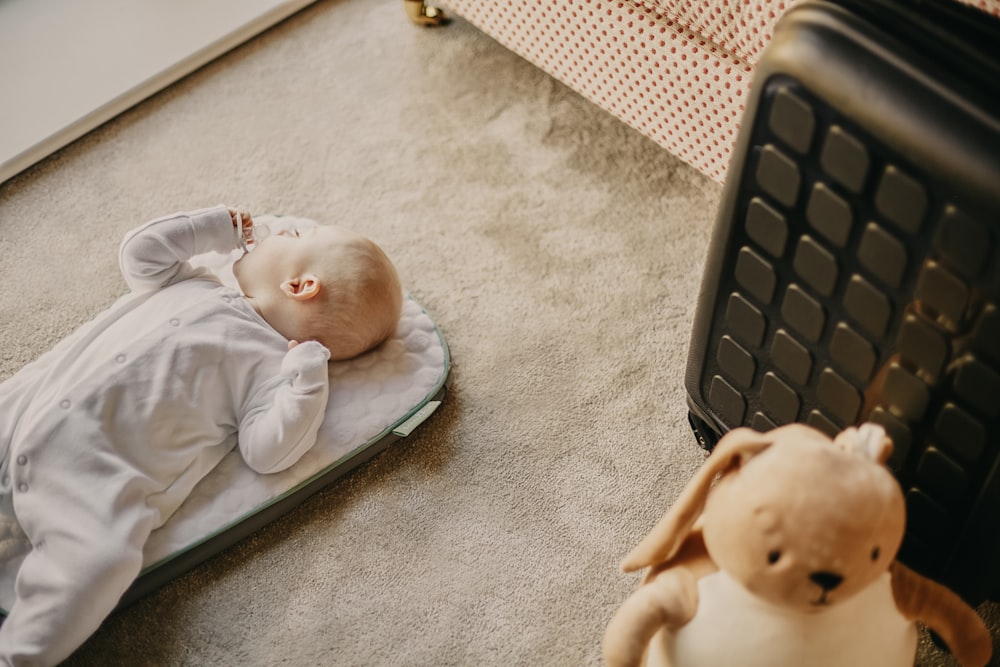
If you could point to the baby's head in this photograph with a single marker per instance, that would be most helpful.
(323, 283)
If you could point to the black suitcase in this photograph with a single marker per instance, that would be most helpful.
(854, 271)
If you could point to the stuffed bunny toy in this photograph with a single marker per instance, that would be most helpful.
(787, 560)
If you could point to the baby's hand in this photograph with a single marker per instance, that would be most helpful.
(243, 219)
(305, 364)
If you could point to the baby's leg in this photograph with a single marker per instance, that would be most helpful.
(65, 589)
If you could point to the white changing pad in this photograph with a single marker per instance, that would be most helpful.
(374, 399)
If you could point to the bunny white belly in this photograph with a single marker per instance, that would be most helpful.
(733, 627)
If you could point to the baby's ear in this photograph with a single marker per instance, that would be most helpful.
(302, 288)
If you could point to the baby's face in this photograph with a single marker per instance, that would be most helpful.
(286, 254)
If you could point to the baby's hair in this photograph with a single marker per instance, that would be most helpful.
(361, 299)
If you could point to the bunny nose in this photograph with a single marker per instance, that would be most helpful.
(826, 580)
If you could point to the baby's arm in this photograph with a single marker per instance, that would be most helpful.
(276, 435)
(155, 254)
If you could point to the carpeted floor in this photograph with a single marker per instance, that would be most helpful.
(559, 251)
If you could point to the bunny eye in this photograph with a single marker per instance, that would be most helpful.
(876, 552)
(773, 556)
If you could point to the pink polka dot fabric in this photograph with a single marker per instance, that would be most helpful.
(679, 71)
(742, 28)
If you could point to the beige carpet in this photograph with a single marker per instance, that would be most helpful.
(559, 251)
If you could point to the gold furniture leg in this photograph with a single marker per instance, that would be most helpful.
(421, 14)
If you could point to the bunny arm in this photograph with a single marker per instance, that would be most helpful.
(668, 599)
(941, 610)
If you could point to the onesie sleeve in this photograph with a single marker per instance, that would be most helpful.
(274, 436)
(155, 254)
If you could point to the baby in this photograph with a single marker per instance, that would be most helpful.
(103, 437)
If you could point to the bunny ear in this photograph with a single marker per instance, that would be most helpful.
(666, 537)
(868, 440)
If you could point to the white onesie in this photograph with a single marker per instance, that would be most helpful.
(103, 437)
